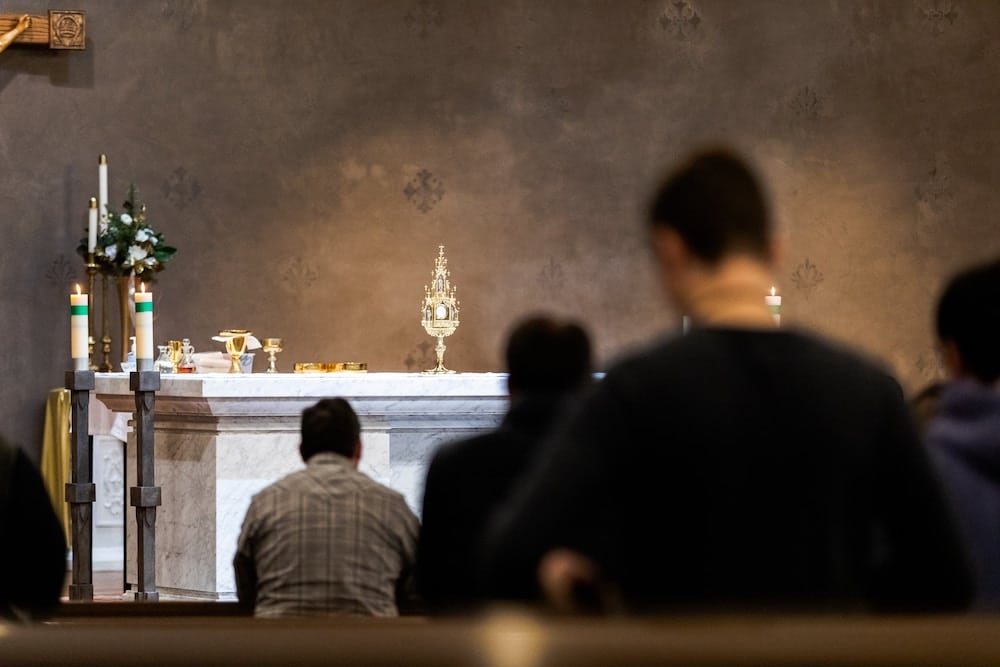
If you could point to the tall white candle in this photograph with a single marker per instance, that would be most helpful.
(144, 329)
(79, 305)
(92, 226)
(102, 189)
(774, 304)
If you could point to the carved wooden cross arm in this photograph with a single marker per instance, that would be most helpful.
(60, 29)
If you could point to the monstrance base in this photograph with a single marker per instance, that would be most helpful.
(441, 370)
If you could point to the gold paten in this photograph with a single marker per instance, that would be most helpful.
(309, 367)
(331, 367)
(352, 367)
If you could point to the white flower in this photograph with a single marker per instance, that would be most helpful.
(125, 218)
(142, 235)
(136, 253)
(150, 261)
(111, 251)
(152, 240)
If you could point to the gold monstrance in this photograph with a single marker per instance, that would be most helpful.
(440, 309)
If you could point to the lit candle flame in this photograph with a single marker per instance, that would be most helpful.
(772, 290)
(142, 288)
(77, 286)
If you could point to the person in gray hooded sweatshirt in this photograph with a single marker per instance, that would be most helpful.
(964, 435)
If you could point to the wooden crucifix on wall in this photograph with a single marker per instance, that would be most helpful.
(61, 29)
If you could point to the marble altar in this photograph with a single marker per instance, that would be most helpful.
(220, 438)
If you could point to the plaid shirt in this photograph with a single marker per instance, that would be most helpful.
(327, 540)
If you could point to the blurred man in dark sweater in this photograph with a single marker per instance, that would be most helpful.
(740, 467)
(964, 434)
(548, 362)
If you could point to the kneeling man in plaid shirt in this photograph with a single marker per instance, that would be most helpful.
(327, 539)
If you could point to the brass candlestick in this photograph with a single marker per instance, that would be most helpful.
(440, 309)
(105, 366)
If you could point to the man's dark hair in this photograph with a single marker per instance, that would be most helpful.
(717, 206)
(544, 355)
(968, 314)
(329, 426)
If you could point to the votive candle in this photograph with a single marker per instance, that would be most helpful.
(774, 304)
(79, 328)
(144, 329)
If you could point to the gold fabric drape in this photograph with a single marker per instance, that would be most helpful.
(56, 453)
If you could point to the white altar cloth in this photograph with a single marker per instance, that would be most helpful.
(220, 438)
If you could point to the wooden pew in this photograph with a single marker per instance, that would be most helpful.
(509, 641)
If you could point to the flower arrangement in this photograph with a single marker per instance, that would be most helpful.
(127, 245)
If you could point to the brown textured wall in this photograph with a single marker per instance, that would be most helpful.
(308, 157)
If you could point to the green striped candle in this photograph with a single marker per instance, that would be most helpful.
(79, 329)
(144, 330)
(774, 304)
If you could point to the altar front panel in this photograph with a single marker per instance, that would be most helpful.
(222, 438)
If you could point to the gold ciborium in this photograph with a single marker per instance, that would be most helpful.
(439, 314)
(236, 345)
(272, 346)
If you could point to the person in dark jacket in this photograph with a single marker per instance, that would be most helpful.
(739, 467)
(33, 551)
(964, 435)
(548, 363)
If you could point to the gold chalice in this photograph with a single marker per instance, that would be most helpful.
(272, 346)
(236, 345)
(175, 352)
